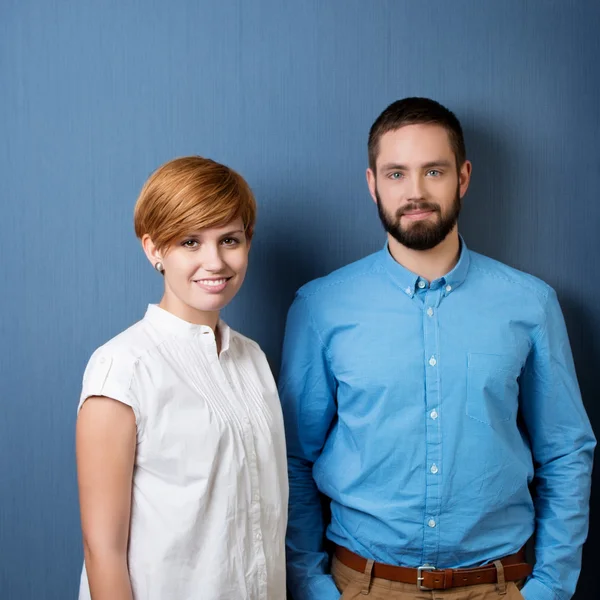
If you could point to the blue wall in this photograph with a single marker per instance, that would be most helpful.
(95, 95)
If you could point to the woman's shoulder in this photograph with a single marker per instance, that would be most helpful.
(244, 344)
(247, 351)
(120, 355)
(110, 371)
(130, 345)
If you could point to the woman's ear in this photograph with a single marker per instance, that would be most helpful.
(152, 253)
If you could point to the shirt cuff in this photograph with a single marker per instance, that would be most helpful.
(320, 587)
(534, 589)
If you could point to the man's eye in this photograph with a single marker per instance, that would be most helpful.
(396, 175)
(434, 173)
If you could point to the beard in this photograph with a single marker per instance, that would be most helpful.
(420, 235)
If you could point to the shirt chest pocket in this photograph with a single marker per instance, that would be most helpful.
(492, 388)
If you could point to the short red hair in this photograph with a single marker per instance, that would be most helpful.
(188, 194)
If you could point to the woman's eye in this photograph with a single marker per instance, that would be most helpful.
(230, 242)
(190, 243)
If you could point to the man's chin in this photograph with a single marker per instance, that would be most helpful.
(417, 237)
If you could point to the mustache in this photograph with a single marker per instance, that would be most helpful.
(417, 206)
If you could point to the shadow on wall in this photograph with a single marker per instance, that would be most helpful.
(292, 265)
(488, 212)
(280, 265)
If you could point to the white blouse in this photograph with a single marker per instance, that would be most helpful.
(210, 489)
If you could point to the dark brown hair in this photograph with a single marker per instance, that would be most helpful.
(413, 111)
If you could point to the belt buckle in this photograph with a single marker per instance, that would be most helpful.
(420, 570)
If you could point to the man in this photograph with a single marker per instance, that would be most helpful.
(425, 388)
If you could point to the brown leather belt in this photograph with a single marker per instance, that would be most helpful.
(429, 578)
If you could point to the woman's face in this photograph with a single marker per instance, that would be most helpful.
(203, 271)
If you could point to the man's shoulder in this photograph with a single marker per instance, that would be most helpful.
(345, 279)
(520, 281)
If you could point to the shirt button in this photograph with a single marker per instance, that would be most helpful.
(433, 414)
(434, 468)
(421, 284)
(448, 288)
(431, 523)
(430, 311)
(258, 537)
(263, 576)
(432, 361)
(408, 291)
(256, 497)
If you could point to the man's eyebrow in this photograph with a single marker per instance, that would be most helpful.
(428, 165)
(394, 167)
(437, 163)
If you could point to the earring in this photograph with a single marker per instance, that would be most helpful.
(159, 267)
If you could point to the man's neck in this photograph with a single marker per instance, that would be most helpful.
(428, 264)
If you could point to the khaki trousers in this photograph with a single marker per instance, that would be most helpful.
(362, 586)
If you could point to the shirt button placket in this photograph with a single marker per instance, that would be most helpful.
(432, 424)
(255, 507)
(255, 510)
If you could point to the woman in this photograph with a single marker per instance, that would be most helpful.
(180, 443)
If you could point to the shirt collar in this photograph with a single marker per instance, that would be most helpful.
(458, 275)
(173, 325)
(408, 281)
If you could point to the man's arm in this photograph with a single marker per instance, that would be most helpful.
(307, 391)
(563, 444)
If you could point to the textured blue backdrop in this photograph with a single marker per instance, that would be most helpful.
(94, 95)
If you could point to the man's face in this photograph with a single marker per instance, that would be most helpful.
(418, 187)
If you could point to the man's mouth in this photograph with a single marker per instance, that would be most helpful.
(416, 215)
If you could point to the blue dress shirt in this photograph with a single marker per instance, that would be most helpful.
(425, 411)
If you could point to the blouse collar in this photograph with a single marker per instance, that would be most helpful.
(173, 325)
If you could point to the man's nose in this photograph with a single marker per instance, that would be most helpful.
(416, 188)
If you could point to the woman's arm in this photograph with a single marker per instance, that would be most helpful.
(106, 444)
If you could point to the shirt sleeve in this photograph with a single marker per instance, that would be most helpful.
(307, 390)
(563, 444)
(112, 375)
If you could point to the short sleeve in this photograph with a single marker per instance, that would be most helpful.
(112, 375)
